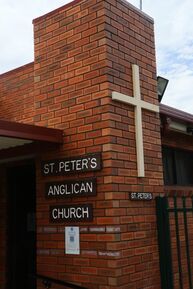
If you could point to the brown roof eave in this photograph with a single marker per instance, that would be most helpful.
(175, 113)
(30, 132)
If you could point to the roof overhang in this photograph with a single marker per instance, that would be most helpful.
(175, 120)
(175, 113)
(13, 134)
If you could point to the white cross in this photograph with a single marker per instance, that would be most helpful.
(138, 103)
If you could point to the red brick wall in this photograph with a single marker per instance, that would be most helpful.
(130, 41)
(83, 52)
(16, 93)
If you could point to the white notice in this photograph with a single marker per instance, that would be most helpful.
(72, 240)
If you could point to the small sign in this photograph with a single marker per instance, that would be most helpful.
(87, 163)
(72, 240)
(71, 213)
(141, 196)
(71, 189)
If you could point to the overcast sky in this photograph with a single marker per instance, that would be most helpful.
(173, 31)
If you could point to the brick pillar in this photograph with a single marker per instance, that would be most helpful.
(130, 40)
(83, 52)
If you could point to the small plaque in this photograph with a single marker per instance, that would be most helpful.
(137, 196)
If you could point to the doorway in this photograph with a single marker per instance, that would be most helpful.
(21, 246)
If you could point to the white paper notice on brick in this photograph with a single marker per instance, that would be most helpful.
(72, 240)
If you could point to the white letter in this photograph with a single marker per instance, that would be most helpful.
(52, 167)
(61, 166)
(53, 213)
(89, 187)
(56, 190)
(78, 209)
(61, 212)
(93, 163)
(50, 192)
(67, 166)
(85, 211)
(72, 212)
(46, 169)
(76, 191)
(84, 164)
(62, 190)
(73, 164)
(83, 188)
(78, 165)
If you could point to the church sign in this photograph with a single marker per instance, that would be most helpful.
(87, 163)
(141, 196)
(71, 189)
(71, 213)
